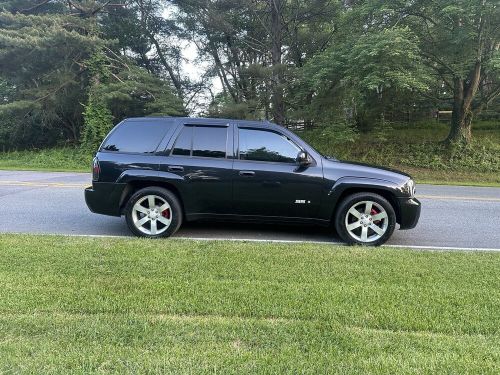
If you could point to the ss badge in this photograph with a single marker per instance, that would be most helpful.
(302, 201)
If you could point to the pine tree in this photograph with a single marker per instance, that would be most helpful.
(48, 76)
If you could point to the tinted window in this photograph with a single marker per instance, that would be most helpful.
(262, 145)
(182, 145)
(136, 136)
(204, 141)
(210, 142)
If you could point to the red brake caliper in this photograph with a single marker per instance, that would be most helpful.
(374, 212)
(166, 213)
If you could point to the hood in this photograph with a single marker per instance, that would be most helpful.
(352, 169)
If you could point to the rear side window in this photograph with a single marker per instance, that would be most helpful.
(183, 143)
(201, 141)
(136, 136)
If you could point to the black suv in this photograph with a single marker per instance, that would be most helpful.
(159, 172)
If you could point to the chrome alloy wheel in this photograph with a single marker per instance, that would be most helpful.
(152, 215)
(366, 221)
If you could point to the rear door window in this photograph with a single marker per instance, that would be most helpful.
(210, 141)
(136, 137)
(201, 141)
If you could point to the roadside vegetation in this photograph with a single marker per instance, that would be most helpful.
(102, 305)
(64, 159)
(418, 149)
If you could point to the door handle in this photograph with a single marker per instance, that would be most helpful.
(247, 173)
(175, 168)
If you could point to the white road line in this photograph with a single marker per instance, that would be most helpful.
(458, 198)
(43, 184)
(416, 247)
(444, 248)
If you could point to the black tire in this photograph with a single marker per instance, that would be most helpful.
(175, 211)
(350, 201)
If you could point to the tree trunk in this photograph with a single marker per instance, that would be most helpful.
(464, 93)
(461, 118)
(152, 38)
(221, 72)
(278, 107)
(461, 124)
(175, 80)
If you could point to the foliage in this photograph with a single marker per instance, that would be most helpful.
(459, 42)
(54, 159)
(145, 34)
(332, 134)
(376, 60)
(40, 57)
(363, 75)
(254, 53)
(98, 123)
(413, 149)
(119, 89)
(371, 62)
(222, 106)
(56, 64)
(135, 92)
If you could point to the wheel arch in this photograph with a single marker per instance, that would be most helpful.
(347, 187)
(135, 184)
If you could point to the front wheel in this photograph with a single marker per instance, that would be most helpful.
(365, 219)
(153, 212)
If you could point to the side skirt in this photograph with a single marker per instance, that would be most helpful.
(258, 219)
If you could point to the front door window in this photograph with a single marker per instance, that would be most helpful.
(263, 145)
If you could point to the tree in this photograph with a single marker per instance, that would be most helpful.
(276, 37)
(460, 42)
(41, 61)
(363, 70)
(254, 47)
(55, 63)
(155, 27)
(229, 34)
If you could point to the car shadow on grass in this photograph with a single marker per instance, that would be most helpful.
(256, 231)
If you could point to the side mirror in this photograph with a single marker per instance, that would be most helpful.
(303, 159)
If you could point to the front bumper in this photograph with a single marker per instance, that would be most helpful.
(409, 209)
(105, 198)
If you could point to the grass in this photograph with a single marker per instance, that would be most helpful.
(414, 149)
(95, 305)
(66, 159)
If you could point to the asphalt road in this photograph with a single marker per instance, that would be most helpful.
(53, 202)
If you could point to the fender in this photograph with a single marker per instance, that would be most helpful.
(359, 183)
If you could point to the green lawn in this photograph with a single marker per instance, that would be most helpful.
(102, 305)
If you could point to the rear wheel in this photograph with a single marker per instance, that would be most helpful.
(153, 212)
(365, 219)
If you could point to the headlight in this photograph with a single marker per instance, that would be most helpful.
(409, 188)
